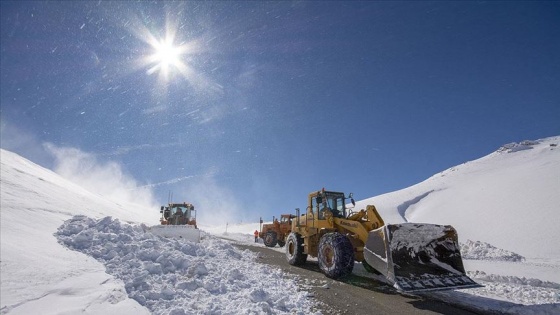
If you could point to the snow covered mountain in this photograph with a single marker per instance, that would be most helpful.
(509, 198)
(504, 207)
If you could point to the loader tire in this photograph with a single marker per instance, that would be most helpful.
(270, 239)
(336, 255)
(294, 250)
(281, 243)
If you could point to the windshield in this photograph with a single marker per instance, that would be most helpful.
(336, 203)
(181, 210)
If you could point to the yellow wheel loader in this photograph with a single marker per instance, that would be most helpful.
(413, 257)
(178, 220)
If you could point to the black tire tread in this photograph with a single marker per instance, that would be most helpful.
(298, 258)
(343, 258)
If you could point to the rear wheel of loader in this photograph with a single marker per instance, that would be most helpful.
(270, 239)
(336, 255)
(294, 250)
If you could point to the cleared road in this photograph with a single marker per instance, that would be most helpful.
(353, 295)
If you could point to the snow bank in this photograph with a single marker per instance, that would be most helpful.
(483, 251)
(170, 276)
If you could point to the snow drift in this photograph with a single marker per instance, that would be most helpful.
(172, 276)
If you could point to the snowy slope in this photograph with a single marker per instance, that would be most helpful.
(509, 198)
(36, 271)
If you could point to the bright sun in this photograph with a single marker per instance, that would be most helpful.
(165, 58)
(167, 54)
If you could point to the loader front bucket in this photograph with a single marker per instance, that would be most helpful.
(417, 257)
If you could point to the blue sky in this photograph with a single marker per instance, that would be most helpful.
(268, 101)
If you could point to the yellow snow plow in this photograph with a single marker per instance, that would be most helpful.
(413, 257)
(178, 220)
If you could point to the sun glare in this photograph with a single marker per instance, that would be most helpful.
(166, 57)
(167, 54)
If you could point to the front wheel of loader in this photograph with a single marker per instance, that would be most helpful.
(336, 255)
(270, 239)
(294, 250)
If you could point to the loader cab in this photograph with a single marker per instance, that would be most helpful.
(178, 214)
(328, 200)
(183, 209)
(286, 219)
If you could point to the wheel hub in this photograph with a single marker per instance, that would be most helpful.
(328, 254)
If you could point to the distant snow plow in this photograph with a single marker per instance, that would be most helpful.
(178, 220)
(417, 257)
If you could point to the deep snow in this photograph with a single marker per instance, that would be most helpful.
(178, 277)
(65, 250)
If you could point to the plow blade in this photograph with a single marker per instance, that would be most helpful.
(418, 257)
(187, 232)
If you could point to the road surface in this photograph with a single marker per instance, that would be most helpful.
(355, 294)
